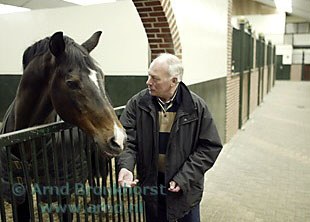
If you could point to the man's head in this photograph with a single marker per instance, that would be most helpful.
(165, 73)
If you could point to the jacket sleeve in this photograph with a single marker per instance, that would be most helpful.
(203, 157)
(127, 158)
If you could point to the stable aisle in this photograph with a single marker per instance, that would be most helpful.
(263, 173)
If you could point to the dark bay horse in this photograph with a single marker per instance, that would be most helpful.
(61, 78)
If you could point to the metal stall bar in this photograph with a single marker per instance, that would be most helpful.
(47, 135)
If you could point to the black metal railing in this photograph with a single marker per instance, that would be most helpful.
(64, 177)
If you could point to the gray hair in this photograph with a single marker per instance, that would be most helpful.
(175, 66)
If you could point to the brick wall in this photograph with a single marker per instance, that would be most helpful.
(160, 26)
(296, 71)
(254, 90)
(265, 80)
(245, 96)
(232, 106)
(254, 79)
(232, 86)
(272, 76)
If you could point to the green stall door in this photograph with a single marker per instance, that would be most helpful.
(283, 71)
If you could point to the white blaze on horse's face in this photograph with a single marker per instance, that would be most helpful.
(119, 135)
(93, 77)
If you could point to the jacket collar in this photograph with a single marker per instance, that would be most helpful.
(183, 97)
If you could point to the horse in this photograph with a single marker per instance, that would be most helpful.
(60, 78)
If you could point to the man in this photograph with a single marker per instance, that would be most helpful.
(172, 139)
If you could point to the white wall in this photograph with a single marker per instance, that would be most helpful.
(123, 47)
(272, 25)
(287, 52)
(202, 27)
(302, 40)
(298, 56)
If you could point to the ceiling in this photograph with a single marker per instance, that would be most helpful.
(301, 8)
(37, 4)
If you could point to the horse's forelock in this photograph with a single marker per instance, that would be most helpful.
(39, 48)
(76, 55)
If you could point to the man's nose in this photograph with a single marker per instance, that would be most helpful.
(148, 81)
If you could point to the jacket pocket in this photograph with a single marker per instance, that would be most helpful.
(188, 119)
(194, 196)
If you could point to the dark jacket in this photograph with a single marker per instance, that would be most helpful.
(193, 147)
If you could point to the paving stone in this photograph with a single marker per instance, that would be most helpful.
(263, 173)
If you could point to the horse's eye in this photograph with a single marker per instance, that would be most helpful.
(73, 84)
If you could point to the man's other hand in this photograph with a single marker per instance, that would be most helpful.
(174, 187)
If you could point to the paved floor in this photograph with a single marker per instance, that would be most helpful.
(263, 173)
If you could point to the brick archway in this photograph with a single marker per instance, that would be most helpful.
(160, 26)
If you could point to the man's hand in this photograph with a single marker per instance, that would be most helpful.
(125, 178)
(174, 187)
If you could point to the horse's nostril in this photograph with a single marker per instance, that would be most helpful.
(113, 144)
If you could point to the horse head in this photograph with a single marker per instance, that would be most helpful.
(60, 75)
(78, 95)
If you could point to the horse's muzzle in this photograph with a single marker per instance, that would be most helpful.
(114, 146)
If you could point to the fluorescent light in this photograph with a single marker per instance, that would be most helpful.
(89, 2)
(284, 5)
(6, 9)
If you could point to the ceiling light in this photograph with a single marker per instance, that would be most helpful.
(89, 2)
(284, 5)
(6, 9)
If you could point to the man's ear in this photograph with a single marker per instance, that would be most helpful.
(175, 80)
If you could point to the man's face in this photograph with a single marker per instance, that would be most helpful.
(159, 83)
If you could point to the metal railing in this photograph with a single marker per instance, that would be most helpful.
(63, 175)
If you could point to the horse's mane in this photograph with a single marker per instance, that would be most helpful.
(38, 48)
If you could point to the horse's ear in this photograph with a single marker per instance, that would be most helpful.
(57, 44)
(92, 42)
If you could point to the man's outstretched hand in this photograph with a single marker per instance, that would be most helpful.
(125, 178)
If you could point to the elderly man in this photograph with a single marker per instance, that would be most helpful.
(172, 139)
